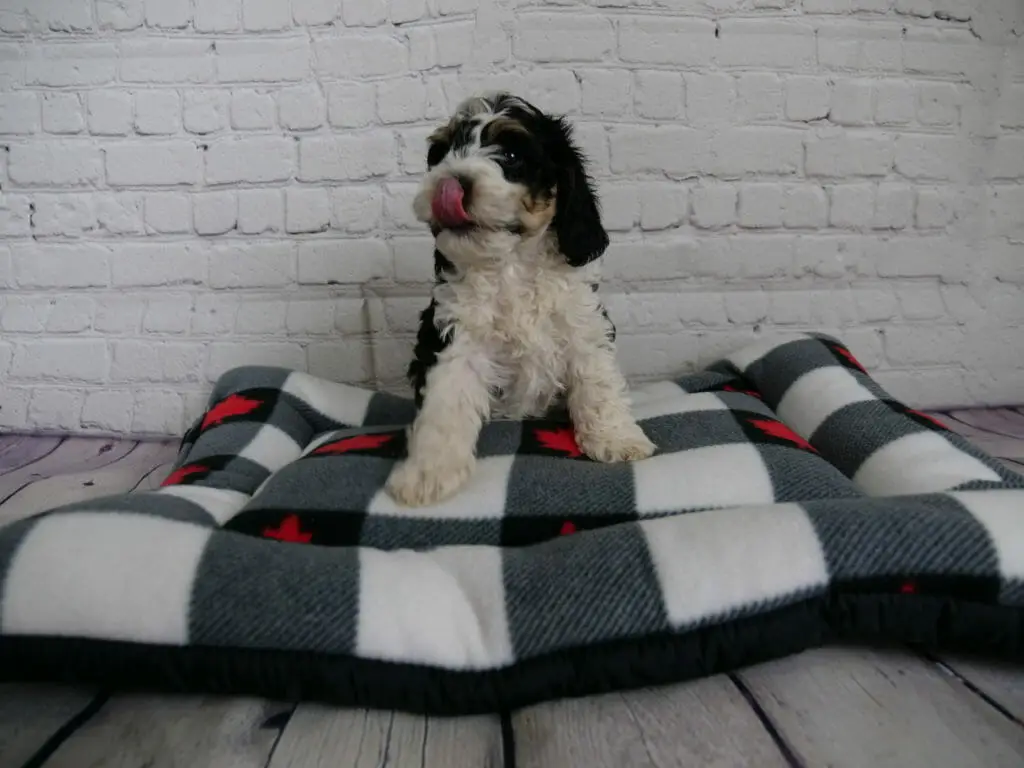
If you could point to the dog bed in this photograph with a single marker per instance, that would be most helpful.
(791, 503)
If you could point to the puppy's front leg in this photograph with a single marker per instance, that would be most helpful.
(442, 442)
(599, 405)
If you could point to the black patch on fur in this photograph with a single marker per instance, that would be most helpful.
(429, 344)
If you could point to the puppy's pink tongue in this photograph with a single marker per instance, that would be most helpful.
(447, 204)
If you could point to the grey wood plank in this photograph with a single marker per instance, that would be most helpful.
(119, 476)
(326, 737)
(849, 708)
(17, 451)
(705, 723)
(999, 421)
(31, 714)
(154, 477)
(74, 454)
(1000, 682)
(174, 732)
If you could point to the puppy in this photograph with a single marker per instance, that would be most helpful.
(515, 322)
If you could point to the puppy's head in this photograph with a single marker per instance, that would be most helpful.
(501, 167)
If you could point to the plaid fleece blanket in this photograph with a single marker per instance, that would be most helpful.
(791, 501)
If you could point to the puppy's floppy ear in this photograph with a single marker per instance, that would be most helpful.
(577, 222)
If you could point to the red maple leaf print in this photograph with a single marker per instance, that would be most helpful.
(568, 527)
(926, 417)
(233, 405)
(181, 473)
(781, 431)
(752, 393)
(908, 588)
(357, 443)
(560, 439)
(850, 358)
(288, 530)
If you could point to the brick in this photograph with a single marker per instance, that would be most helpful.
(265, 15)
(737, 152)
(403, 11)
(921, 303)
(346, 158)
(25, 315)
(894, 206)
(401, 101)
(63, 113)
(68, 215)
(938, 104)
(301, 108)
(204, 111)
(64, 64)
(681, 41)
(929, 157)
(71, 314)
(558, 37)
(118, 315)
(19, 113)
(672, 150)
(659, 95)
(168, 14)
(852, 205)
(714, 205)
(1005, 205)
(804, 207)
(1007, 158)
(227, 355)
(108, 410)
(371, 55)
(15, 215)
(263, 265)
(120, 213)
(894, 102)
(54, 163)
(214, 314)
(157, 112)
(347, 361)
(553, 90)
(923, 344)
(851, 102)
(215, 213)
(605, 92)
(344, 261)
(307, 210)
(398, 206)
(310, 317)
(157, 412)
(153, 163)
(350, 105)
(251, 110)
(109, 112)
(260, 211)
(807, 98)
(316, 12)
(847, 155)
(663, 205)
(217, 15)
(934, 208)
(860, 47)
(760, 205)
(769, 44)
(262, 159)
(356, 209)
(56, 408)
(135, 361)
(148, 60)
(61, 360)
(945, 52)
(246, 61)
(1011, 107)
(759, 97)
(261, 318)
(169, 313)
(620, 205)
(158, 264)
(168, 213)
(121, 15)
(364, 13)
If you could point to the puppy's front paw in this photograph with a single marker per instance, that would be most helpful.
(611, 445)
(418, 483)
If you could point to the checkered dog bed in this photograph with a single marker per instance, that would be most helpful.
(791, 502)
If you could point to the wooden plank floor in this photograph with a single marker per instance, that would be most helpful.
(841, 707)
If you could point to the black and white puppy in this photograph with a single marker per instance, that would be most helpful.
(515, 322)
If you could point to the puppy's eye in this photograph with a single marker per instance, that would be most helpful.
(436, 153)
(511, 159)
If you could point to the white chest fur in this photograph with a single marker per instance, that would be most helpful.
(522, 317)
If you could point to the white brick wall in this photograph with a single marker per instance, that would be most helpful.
(190, 185)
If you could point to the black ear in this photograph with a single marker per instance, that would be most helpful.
(577, 222)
